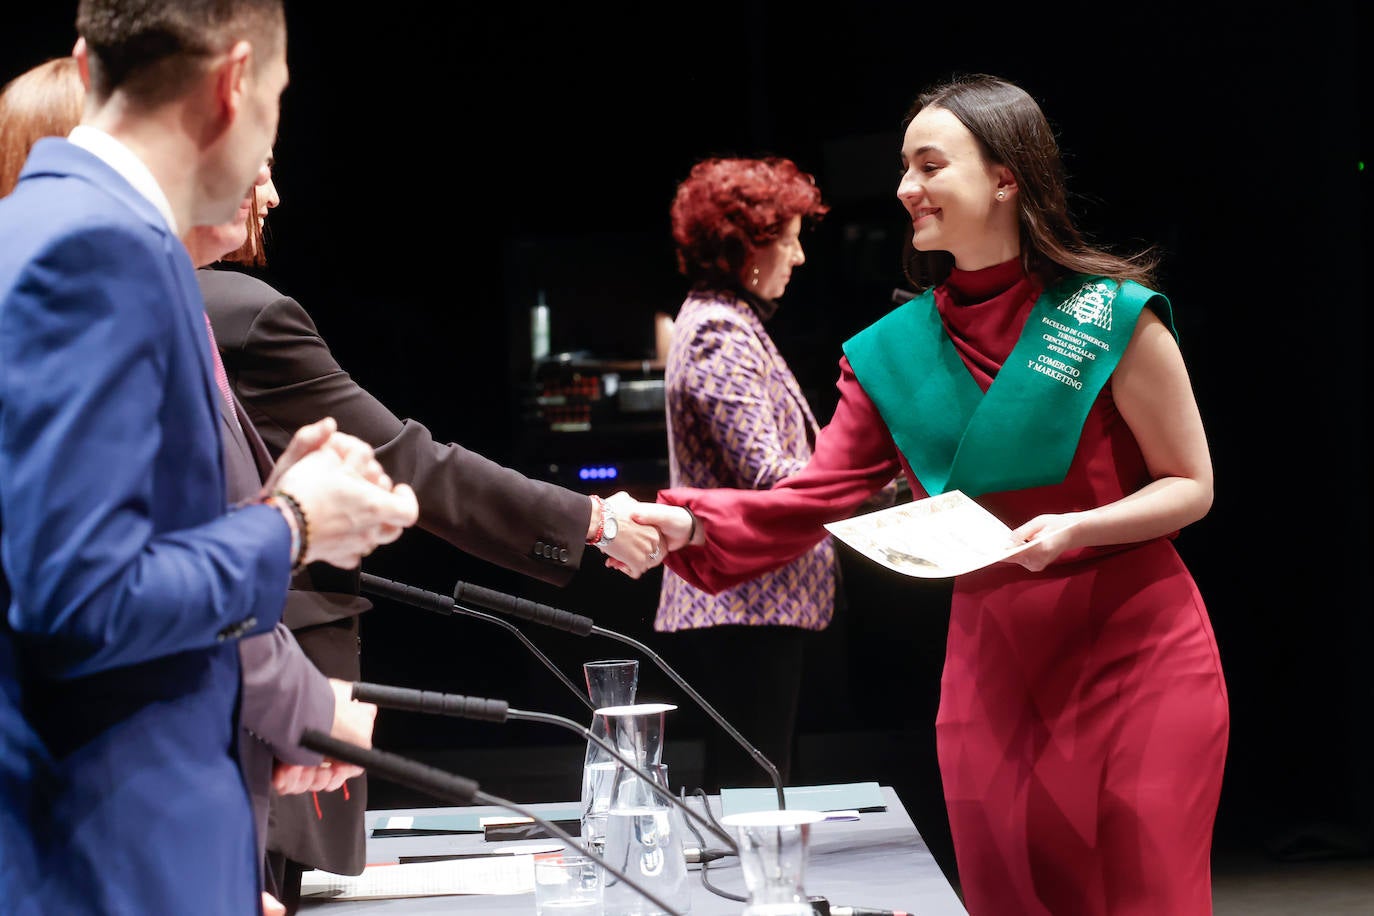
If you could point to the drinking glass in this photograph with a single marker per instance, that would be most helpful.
(772, 856)
(566, 882)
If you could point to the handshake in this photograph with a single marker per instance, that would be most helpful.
(348, 506)
(645, 532)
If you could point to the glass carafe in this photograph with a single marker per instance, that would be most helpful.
(772, 855)
(610, 682)
(643, 831)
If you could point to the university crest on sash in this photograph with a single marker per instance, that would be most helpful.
(1092, 304)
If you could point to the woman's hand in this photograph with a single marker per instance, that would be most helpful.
(1048, 536)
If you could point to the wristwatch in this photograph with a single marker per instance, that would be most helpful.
(607, 528)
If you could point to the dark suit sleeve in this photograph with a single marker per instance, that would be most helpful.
(283, 694)
(287, 377)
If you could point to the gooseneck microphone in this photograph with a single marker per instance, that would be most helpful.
(487, 710)
(576, 624)
(378, 587)
(448, 787)
(430, 780)
(525, 609)
(582, 626)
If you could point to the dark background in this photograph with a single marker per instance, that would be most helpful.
(441, 163)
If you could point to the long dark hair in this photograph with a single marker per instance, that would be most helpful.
(1013, 132)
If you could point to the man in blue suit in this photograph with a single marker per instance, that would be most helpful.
(127, 580)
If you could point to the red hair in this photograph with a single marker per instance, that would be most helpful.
(726, 208)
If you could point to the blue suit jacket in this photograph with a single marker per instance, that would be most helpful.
(129, 581)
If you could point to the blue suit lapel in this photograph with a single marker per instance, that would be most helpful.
(58, 158)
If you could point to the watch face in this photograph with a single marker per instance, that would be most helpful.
(611, 527)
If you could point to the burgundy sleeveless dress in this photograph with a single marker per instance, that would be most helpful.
(1083, 716)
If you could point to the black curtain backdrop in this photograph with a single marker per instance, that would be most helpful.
(441, 163)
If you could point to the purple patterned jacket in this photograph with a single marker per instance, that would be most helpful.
(737, 418)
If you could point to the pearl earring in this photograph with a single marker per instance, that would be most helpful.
(1001, 195)
(754, 281)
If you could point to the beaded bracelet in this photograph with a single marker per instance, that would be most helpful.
(291, 526)
(601, 520)
(300, 532)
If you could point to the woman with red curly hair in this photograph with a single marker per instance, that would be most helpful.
(738, 418)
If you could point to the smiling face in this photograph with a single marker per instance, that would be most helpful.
(207, 244)
(267, 197)
(950, 191)
(775, 261)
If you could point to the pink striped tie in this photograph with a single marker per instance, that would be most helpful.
(221, 378)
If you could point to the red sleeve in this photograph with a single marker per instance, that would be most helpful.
(749, 532)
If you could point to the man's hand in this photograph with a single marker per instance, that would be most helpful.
(306, 440)
(351, 506)
(353, 721)
(358, 457)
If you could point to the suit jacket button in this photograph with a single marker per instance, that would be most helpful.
(538, 548)
(563, 555)
(234, 631)
(548, 551)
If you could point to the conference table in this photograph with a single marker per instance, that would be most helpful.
(877, 861)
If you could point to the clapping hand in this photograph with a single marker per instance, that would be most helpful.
(350, 504)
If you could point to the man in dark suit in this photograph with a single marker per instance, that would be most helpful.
(281, 369)
(128, 582)
(284, 693)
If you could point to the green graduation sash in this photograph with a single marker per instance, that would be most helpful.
(1023, 432)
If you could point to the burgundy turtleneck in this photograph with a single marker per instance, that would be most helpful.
(984, 312)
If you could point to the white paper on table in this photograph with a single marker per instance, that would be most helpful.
(932, 538)
(501, 874)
